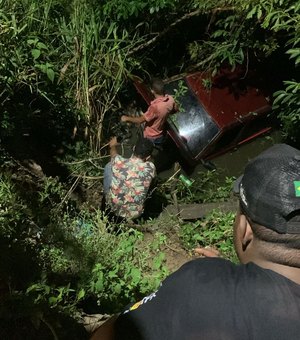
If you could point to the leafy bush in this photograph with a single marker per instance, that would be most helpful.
(118, 9)
(133, 269)
(240, 31)
(54, 258)
(215, 230)
(286, 102)
(66, 55)
(207, 187)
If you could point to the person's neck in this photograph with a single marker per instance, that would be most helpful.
(137, 157)
(292, 273)
(158, 95)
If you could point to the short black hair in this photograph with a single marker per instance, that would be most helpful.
(158, 86)
(143, 148)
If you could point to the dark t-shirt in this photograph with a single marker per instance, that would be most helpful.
(213, 299)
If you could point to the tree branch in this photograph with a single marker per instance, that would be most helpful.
(176, 22)
(166, 30)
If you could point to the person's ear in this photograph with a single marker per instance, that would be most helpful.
(242, 237)
(245, 232)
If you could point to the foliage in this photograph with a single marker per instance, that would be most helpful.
(8, 201)
(97, 67)
(84, 164)
(128, 272)
(119, 9)
(241, 30)
(66, 50)
(237, 27)
(56, 297)
(207, 187)
(110, 268)
(64, 65)
(214, 230)
(179, 92)
(287, 103)
(55, 258)
(77, 56)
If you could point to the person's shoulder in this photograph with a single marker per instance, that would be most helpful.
(209, 263)
(150, 164)
(201, 275)
(155, 101)
(218, 269)
(151, 167)
(208, 268)
(118, 158)
(222, 270)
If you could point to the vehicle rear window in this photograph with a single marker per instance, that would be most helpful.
(192, 124)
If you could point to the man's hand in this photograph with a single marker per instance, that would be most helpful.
(113, 142)
(106, 330)
(135, 120)
(207, 252)
(113, 147)
(124, 119)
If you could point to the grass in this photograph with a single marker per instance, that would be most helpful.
(215, 230)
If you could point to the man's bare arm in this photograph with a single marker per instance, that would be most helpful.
(106, 330)
(207, 252)
(137, 120)
(113, 147)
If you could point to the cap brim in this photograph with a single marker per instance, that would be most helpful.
(236, 185)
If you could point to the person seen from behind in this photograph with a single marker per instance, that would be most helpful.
(215, 299)
(127, 180)
(155, 118)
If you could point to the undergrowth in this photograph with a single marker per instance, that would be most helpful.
(207, 186)
(57, 260)
(215, 230)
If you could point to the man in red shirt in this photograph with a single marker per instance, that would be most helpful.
(160, 108)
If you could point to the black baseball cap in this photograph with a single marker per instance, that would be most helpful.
(269, 189)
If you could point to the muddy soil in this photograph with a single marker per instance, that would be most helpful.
(175, 254)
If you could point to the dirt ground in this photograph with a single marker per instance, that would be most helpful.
(176, 256)
(168, 224)
(173, 249)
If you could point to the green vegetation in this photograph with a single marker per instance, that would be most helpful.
(287, 104)
(55, 257)
(207, 187)
(65, 67)
(76, 57)
(59, 258)
(65, 55)
(214, 230)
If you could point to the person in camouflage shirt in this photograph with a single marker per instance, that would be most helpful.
(127, 180)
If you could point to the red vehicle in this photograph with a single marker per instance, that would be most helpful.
(216, 113)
